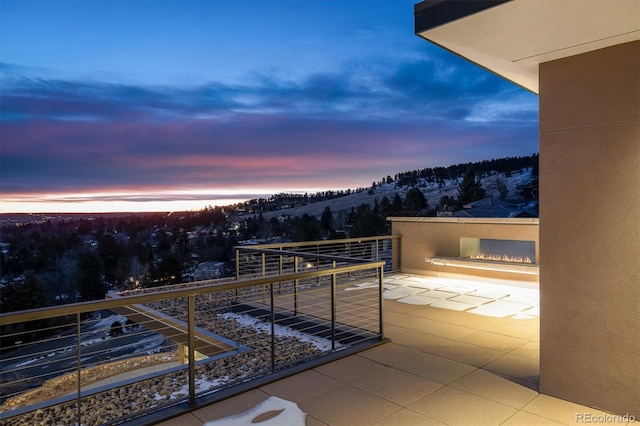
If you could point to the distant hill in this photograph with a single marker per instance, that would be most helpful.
(511, 173)
(436, 182)
(432, 191)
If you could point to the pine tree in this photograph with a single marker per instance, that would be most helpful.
(29, 294)
(396, 205)
(414, 202)
(366, 223)
(326, 220)
(307, 228)
(89, 276)
(470, 189)
(385, 207)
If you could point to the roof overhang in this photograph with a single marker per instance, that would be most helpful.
(512, 37)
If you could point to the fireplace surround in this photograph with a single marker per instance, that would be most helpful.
(491, 254)
(514, 251)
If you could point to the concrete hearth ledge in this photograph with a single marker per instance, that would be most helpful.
(518, 268)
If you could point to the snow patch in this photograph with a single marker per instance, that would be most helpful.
(203, 384)
(107, 322)
(280, 331)
(273, 411)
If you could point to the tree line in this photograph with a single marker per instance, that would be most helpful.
(481, 168)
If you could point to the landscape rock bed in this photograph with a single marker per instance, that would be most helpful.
(119, 404)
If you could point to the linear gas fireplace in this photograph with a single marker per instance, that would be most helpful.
(514, 251)
(515, 256)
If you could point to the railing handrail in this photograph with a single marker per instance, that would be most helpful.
(293, 253)
(323, 242)
(195, 290)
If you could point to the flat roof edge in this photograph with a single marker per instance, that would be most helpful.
(495, 221)
(434, 13)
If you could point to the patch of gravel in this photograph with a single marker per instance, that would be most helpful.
(121, 403)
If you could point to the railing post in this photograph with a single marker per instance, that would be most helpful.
(181, 350)
(295, 287)
(237, 271)
(280, 270)
(237, 265)
(264, 273)
(273, 331)
(318, 265)
(333, 311)
(381, 298)
(79, 361)
(192, 350)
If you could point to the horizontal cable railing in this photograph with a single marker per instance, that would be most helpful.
(131, 355)
(250, 263)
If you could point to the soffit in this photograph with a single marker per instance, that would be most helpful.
(511, 39)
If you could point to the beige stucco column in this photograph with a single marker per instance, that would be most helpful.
(590, 228)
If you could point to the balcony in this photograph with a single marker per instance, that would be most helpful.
(442, 366)
(304, 323)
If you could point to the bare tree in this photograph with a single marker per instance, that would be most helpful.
(498, 185)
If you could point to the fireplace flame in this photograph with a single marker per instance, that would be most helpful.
(501, 258)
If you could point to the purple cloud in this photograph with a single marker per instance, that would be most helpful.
(328, 130)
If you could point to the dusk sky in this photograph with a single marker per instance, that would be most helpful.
(159, 105)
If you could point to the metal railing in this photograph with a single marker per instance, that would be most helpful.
(265, 259)
(135, 355)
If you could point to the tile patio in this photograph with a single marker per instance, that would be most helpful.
(442, 366)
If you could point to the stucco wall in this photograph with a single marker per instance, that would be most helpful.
(429, 237)
(590, 228)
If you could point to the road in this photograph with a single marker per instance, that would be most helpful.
(31, 364)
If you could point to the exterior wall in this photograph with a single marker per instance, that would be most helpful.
(590, 228)
(428, 237)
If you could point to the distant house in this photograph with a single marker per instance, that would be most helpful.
(445, 211)
(208, 271)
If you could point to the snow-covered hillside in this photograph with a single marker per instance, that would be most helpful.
(432, 191)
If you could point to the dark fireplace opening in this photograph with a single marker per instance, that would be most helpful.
(514, 251)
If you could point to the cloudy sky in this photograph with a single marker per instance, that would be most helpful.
(141, 105)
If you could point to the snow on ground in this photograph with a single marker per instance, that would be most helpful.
(148, 345)
(29, 361)
(105, 323)
(203, 384)
(273, 411)
(281, 331)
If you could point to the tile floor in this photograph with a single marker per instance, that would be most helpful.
(443, 366)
